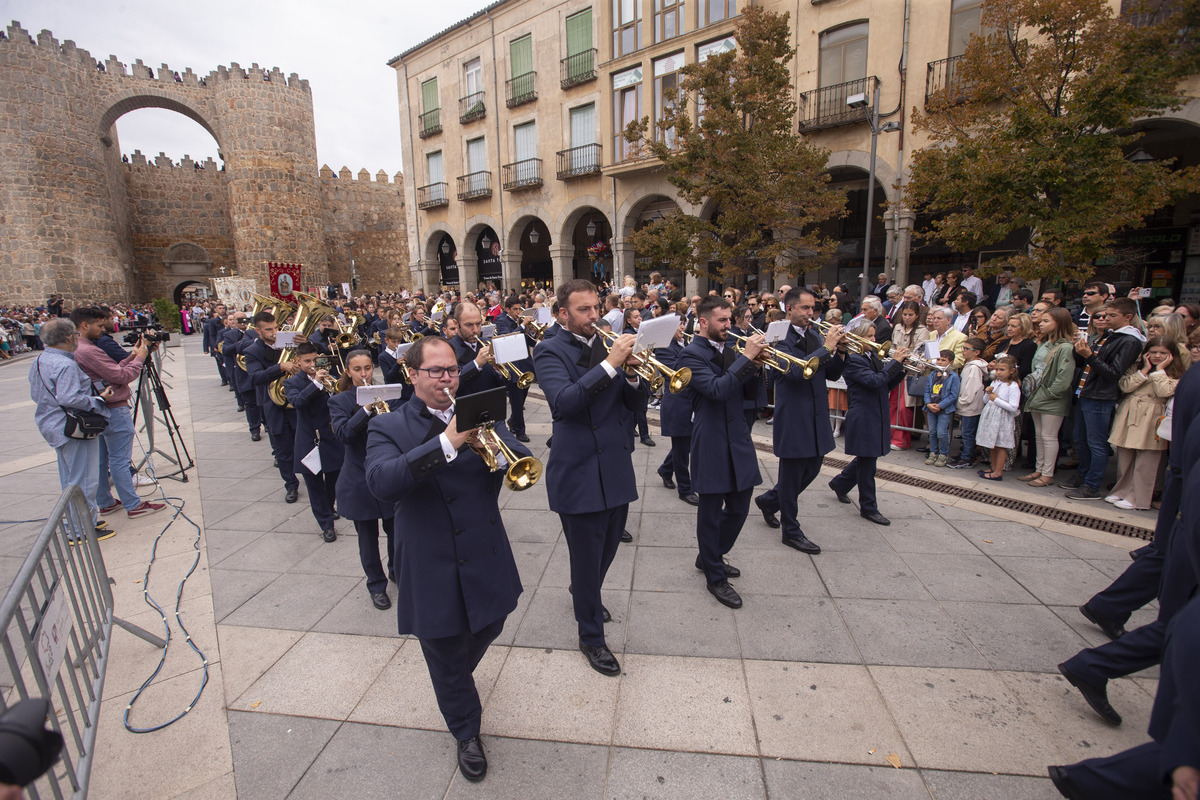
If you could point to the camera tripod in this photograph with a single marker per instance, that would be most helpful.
(150, 384)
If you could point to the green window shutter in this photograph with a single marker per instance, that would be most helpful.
(521, 56)
(429, 95)
(579, 32)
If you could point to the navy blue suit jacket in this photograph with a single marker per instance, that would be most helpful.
(349, 423)
(723, 456)
(212, 329)
(312, 422)
(473, 378)
(590, 467)
(868, 384)
(231, 337)
(675, 412)
(262, 367)
(455, 567)
(754, 391)
(802, 428)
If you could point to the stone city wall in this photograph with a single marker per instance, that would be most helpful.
(368, 217)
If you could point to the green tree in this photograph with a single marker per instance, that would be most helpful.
(742, 153)
(1031, 136)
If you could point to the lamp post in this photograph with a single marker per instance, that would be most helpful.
(353, 282)
(860, 101)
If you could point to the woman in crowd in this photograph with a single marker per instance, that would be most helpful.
(1020, 346)
(1168, 326)
(977, 321)
(953, 288)
(908, 332)
(1145, 389)
(1048, 389)
(994, 332)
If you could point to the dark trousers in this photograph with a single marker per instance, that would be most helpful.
(795, 474)
(1139, 583)
(592, 541)
(516, 402)
(322, 490)
(451, 661)
(1132, 773)
(643, 425)
(253, 412)
(719, 520)
(368, 551)
(859, 472)
(751, 416)
(220, 366)
(281, 424)
(676, 463)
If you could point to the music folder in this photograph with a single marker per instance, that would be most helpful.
(473, 410)
(510, 347)
(365, 395)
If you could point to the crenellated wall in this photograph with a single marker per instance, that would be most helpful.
(368, 217)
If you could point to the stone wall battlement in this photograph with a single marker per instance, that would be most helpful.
(363, 176)
(139, 159)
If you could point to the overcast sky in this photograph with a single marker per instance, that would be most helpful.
(341, 46)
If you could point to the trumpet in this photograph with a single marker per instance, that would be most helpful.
(523, 381)
(776, 359)
(653, 371)
(535, 331)
(522, 472)
(915, 365)
(856, 343)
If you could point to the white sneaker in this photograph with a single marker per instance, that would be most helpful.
(1125, 504)
(1113, 498)
(142, 480)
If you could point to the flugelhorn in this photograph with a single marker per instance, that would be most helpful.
(856, 343)
(653, 371)
(522, 473)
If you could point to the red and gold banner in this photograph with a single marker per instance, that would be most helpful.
(285, 279)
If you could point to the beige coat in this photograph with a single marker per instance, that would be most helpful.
(1143, 403)
(913, 341)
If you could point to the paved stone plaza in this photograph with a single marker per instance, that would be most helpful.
(931, 643)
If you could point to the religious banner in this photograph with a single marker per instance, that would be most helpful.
(235, 293)
(285, 278)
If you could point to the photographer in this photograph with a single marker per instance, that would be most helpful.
(118, 436)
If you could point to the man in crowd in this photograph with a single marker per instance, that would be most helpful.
(1022, 299)
(964, 304)
(972, 283)
(872, 311)
(945, 336)
(1095, 295)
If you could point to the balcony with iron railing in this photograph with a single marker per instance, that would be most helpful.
(942, 76)
(520, 175)
(471, 108)
(429, 123)
(520, 90)
(579, 68)
(475, 186)
(826, 107)
(433, 195)
(579, 162)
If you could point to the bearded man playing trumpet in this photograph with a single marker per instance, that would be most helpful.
(457, 580)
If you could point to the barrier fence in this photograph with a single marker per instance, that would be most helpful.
(57, 620)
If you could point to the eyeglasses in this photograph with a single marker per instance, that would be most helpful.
(437, 372)
(1090, 294)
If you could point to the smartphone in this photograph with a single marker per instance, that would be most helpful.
(1143, 293)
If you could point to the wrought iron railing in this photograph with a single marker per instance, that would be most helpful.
(827, 107)
(475, 185)
(525, 174)
(471, 107)
(433, 195)
(579, 68)
(430, 123)
(942, 76)
(521, 90)
(576, 162)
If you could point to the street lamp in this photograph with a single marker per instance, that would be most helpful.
(591, 229)
(445, 247)
(860, 101)
(534, 236)
(486, 241)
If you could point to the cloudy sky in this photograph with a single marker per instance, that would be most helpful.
(341, 47)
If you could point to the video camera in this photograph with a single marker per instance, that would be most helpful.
(152, 332)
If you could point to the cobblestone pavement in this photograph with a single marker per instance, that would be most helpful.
(930, 645)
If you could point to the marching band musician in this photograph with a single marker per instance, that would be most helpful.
(722, 451)
(212, 330)
(754, 391)
(801, 434)
(263, 367)
(590, 480)
(393, 337)
(474, 356)
(675, 422)
(355, 502)
(457, 579)
(246, 391)
(416, 320)
(868, 430)
(511, 322)
(326, 330)
(227, 347)
(308, 392)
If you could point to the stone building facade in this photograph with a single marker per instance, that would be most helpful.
(75, 220)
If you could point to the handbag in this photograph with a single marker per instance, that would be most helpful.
(79, 424)
(915, 385)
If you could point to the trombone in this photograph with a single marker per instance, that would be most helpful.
(653, 371)
(856, 343)
(522, 472)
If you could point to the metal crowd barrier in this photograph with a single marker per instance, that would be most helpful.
(57, 620)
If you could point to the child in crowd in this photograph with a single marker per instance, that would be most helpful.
(970, 401)
(998, 422)
(941, 394)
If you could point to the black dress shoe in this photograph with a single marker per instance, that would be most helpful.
(626, 537)
(381, 601)
(877, 518)
(521, 437)
(646, 440)
(275, 463)
(1111, 629)
(841, 496)
(768, 515)
(730, 570)
(472, 763)
(803, 544)
(601, 659)
(292, 496)
(667, 480)
(1062, 781)
(329, 535)
(692, 499)
(1096, 697)
(241, 408)
(604, 613)
(725, 594)
(255, 436)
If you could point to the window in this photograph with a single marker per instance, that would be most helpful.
(703, 53)
(473, 77)
(520, 52)
(844, 55)
(579, 33)
(435, 175)
(668, 19)
(429, 96)
(966, 20)
(583, 125)
(627, 26)
(525, 141)
(627, 108)
(710, 11)
(477, 177)
(666, 77)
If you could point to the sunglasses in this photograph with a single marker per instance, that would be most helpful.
(1090, 294)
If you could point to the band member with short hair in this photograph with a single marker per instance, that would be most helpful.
(474, 355)
(590, 480)
(722, 451)
(308, 392)
(512, 322)
(457, 579)
(263, 367)
(675, 420)
(211, 333)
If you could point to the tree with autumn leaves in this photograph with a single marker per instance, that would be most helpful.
(769, 186)
(1032, 135)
